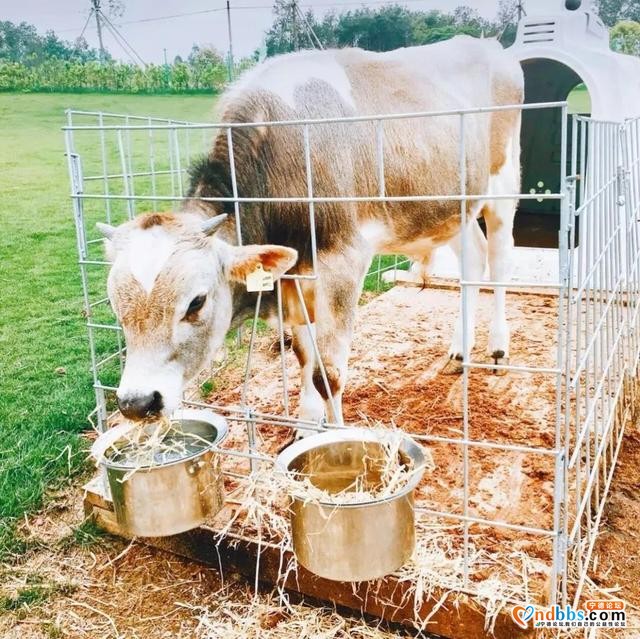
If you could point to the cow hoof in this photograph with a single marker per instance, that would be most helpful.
(498, 358)
(453, 366)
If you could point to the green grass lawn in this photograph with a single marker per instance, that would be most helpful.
(579, 100)
(45, 385)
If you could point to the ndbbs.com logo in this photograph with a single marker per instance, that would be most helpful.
(593, 614)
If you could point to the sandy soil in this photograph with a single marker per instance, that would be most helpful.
(397, 379)
(617, 551)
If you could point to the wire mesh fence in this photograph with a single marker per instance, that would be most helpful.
(121, 166)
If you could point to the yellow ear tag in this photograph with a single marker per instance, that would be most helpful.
(259, 280)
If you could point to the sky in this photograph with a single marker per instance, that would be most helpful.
(149, 37)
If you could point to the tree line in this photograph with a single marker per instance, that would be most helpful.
(33, 62)
(385, 28)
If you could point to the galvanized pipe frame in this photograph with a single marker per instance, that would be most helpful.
(586, 302)
(174, 124)
(631, 150)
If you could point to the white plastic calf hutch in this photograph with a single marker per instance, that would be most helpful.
(510, 508)
(561, 48)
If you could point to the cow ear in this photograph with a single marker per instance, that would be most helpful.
(273, 258)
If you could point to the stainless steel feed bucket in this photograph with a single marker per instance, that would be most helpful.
(350, 542)
(171, 498)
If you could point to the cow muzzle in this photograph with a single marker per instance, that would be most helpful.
(141, 406)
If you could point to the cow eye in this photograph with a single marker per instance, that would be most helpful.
(196, 304)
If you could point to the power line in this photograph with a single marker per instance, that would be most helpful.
(294, 24)
(177, 15)
(310, 32)
(85, 24)
(121, 44)
(360, 3)
(171, 17)
(124, 44)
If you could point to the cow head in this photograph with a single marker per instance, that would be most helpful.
(171, 286)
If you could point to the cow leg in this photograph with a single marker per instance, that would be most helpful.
(475, 261)
(499, 220)
(311, 403)
(421, 268)
(498, 216)
(339, 283)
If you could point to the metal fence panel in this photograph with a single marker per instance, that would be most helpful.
(119, 163)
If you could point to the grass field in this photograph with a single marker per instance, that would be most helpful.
(579, 100)
(44, 378)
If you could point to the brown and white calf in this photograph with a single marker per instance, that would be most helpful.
(177, 281)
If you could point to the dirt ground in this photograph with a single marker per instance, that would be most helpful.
(617, 552)
(397, 379)
(75, 582)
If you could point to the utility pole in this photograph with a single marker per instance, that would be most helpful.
(165, 69)
(230, 60)
(96, 10)
(294, 24)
